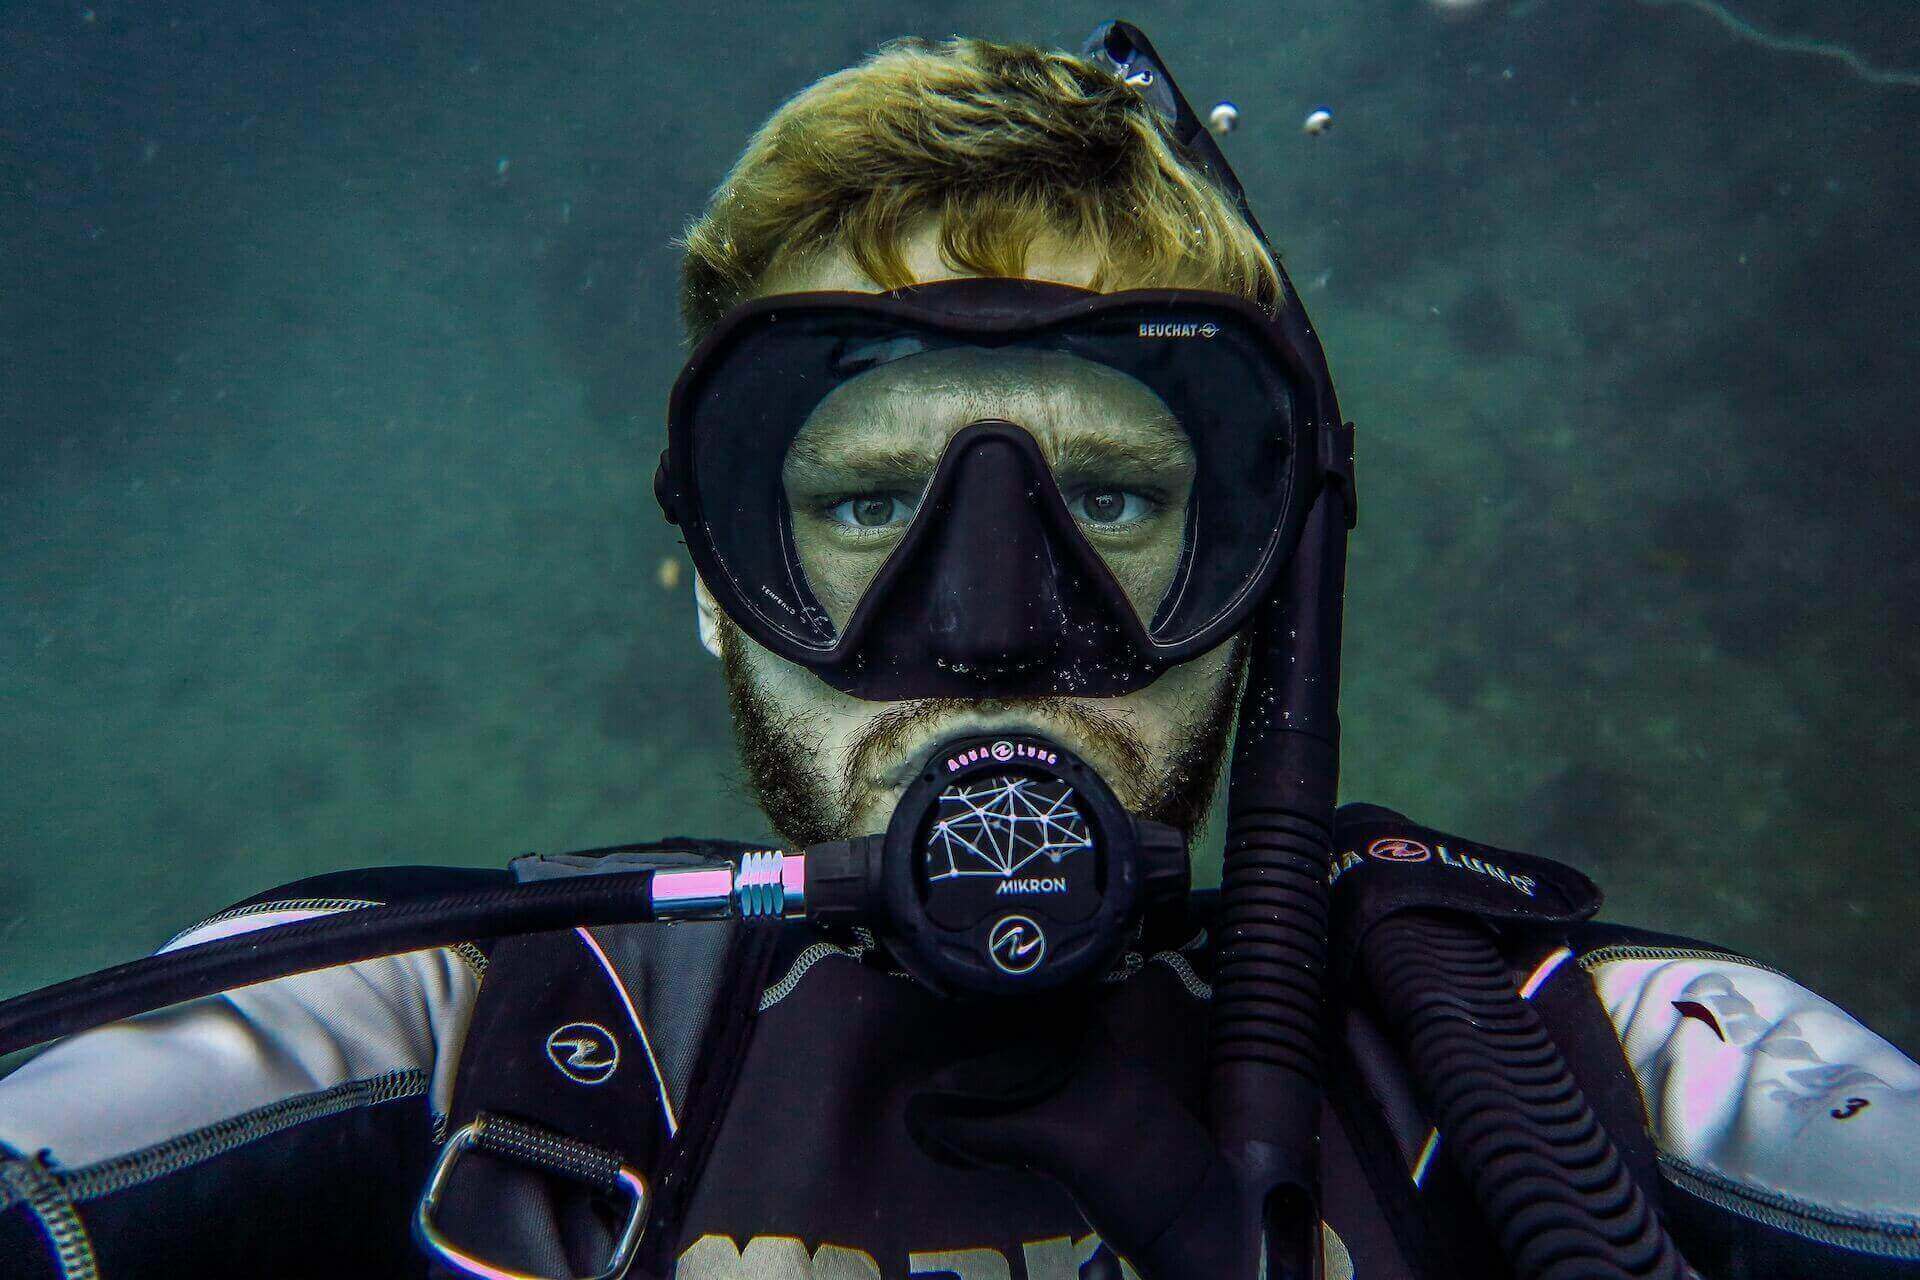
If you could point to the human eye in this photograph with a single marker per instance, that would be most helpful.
(1109, 507)
(873, 512)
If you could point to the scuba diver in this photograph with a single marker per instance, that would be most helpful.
(1018, 495)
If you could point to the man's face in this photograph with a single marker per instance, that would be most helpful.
(825, 765)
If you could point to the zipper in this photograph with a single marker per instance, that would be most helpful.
(175, 1154)
(1887, 1238)
(1635, 951)
(28, 1180)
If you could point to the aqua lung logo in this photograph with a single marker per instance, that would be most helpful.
(1031, 884)
(1002, 751)
(1016, 945)
(585, 1052)
(1396, 849)
(1177, 329)
(1487, 867)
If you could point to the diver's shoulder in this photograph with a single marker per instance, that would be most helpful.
(1786, 1130)
(1768, 1102)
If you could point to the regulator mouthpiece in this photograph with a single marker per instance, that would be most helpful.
(1009, 868)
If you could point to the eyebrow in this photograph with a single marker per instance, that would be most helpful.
(1082, 454)
(809, 464)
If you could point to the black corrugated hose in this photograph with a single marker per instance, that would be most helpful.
(1545, 1174)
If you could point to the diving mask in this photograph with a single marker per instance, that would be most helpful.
(996, 487)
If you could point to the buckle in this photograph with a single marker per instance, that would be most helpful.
(1336, 463)
(549, 1152)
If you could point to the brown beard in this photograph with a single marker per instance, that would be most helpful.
(777, 747)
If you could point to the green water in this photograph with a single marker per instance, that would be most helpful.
(334, 348)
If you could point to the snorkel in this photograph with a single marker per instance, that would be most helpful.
(1267, 1053)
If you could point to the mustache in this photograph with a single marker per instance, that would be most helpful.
(780, 748)
(885, 738)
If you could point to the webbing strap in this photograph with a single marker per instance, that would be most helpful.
(626, 1042)
(548, 1151)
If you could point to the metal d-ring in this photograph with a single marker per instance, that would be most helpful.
(465, 1139)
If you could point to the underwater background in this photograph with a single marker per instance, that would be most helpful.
(335, 339)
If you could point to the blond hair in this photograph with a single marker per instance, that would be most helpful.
(999, 146)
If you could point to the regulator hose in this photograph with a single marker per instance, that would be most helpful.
(364, 933)
(1545, 1174)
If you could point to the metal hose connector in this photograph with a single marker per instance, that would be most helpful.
(759, 889)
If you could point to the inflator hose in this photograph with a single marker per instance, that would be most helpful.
(364, 933)
(1547, 1177)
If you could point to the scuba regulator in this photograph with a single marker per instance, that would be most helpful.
(1008, 868)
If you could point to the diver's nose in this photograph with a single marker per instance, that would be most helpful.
(995, 603)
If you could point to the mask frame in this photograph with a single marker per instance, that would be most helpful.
(889, 649)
